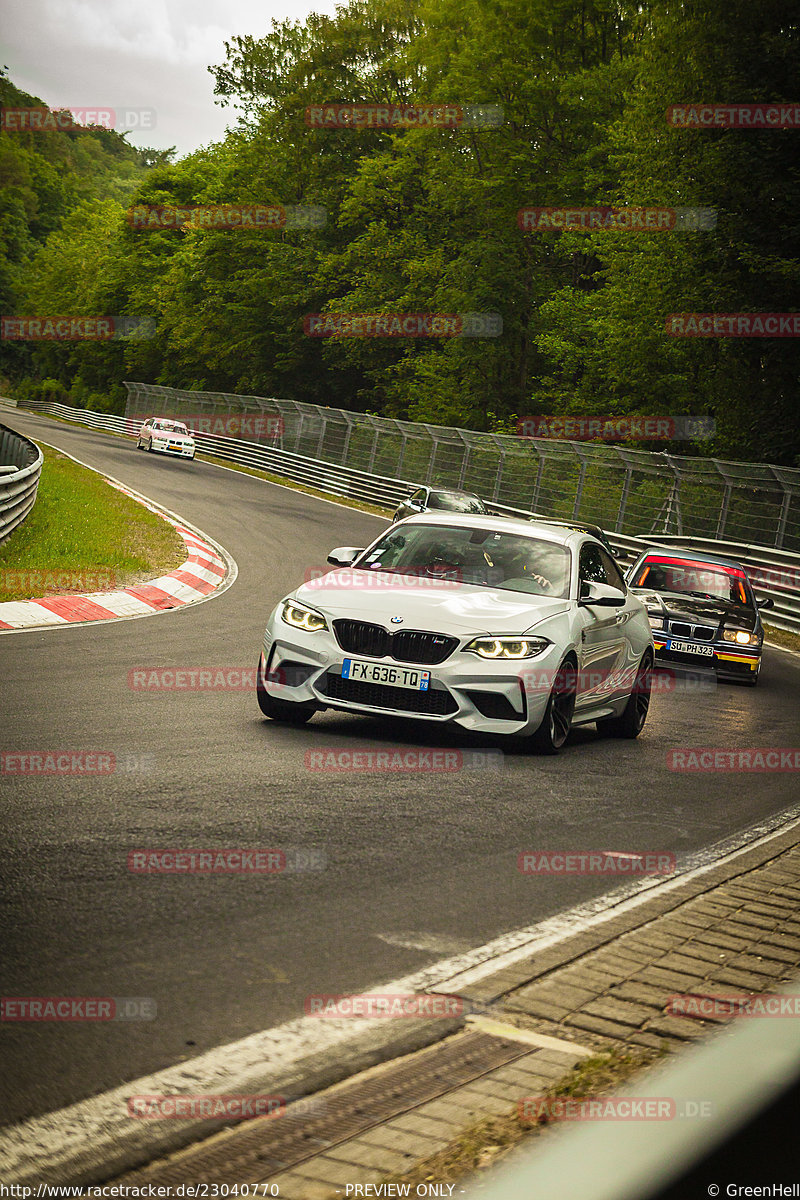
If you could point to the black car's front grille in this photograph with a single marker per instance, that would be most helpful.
(407, 645)
(433, 703)
(359, 637)
(699, 633)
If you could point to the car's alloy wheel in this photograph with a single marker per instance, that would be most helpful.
(630, 722)
(287, 711)
(557, 720)
(149, 446)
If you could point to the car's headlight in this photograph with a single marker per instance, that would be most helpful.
(655, 622)
(507, 647)
(300, 617)
(741, 636)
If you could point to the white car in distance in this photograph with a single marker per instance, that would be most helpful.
(166, 437)
(499, 625)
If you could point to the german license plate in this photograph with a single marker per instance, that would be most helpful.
(690, 648)
(370, 672)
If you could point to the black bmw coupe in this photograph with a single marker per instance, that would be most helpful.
(702, 611)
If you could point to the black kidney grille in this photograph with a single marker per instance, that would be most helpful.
(359, 637)
(433, 703)
(410, 645)
(407, 645)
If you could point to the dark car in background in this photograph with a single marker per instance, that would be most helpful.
(582, 527)
(702, 610)
(430, 499)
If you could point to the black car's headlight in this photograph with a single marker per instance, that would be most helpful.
(742, 637)
(507, 647)
(656, 620)
(300, 617)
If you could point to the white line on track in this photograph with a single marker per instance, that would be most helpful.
(68, 1144)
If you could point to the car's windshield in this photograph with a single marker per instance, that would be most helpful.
(691, 577)
(455, 502)
(173, 427)
(485, 557)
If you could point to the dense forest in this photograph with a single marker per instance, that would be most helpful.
(424, 218)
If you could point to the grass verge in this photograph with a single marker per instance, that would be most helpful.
(491, 1139)
(782, 637)
(82, 535)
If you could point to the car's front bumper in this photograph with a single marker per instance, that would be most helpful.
(727, 659)
(178, 450)
(478, 694)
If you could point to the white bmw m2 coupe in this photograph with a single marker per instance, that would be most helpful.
(500, 625)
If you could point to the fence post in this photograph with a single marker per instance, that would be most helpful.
(500, 464)
(784, 517)
(581, 479)
(623, 500)
(299, 433)
(537, 487)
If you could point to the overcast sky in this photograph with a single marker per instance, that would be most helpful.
(137, 55)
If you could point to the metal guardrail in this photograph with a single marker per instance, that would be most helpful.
(20, 468)
(627, 491)
(775, 572)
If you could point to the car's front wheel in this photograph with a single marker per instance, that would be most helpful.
(630, 722)
(557, 720)
(287, 711)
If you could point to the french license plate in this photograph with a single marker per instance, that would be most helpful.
(369, 672)
(690, 648)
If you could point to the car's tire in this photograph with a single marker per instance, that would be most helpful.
(138, 443)
(752, 680)
(149, 446)
(557, 720)
(630, 722)
(286, 711)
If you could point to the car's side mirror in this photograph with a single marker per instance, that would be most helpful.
(601, 595)
(344, 556)
(765, 602)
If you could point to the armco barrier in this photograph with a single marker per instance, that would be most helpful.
(776, 571)
(627, 491)
(20, 468)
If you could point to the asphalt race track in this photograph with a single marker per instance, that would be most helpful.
(418, 866)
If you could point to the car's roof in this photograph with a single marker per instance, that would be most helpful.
(559, 534)
(451, 491)
(716, 560)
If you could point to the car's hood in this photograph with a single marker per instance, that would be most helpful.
(693, 608)
(430, 604)
(172, 437)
